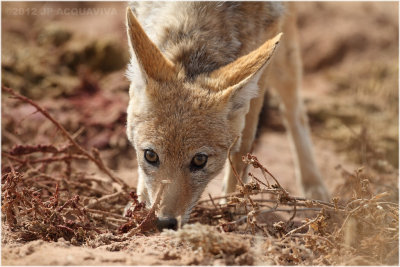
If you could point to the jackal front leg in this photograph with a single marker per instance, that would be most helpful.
(307, 174)
(248, 135)
(286, 77)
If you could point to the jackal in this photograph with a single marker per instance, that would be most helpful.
(199, 72)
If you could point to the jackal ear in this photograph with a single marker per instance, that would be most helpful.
(238, 80)
(152, 63)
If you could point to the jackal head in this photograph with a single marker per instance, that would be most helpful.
(181, 128)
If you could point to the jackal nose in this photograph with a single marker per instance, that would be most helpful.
(166, 223)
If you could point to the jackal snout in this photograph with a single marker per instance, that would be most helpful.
(176, 198)
(173, 204)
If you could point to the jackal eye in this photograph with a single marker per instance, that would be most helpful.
(198, 162)
(150, 156)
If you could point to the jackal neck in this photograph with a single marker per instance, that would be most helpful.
(202, 38)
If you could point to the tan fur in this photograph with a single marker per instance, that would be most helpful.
(199, 73)
(245, 66)
(155, 65)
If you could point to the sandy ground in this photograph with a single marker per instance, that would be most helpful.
(343, 45)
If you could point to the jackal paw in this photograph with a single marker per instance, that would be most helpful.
(222, 201)
(127, 206)
(317, 192)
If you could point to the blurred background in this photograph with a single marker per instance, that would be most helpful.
(71, 57)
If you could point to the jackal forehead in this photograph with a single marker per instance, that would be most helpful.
(176, 117)
(182, 133)
(180, 100)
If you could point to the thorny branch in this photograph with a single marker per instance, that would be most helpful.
(150, 221)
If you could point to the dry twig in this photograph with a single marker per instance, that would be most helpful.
(95, 158)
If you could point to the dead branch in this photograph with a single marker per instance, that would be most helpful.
(315, 236)
(261, 212)
(94, 158)
(150, 220)
(106, 213)
(104, 198)
(302, 226)
(252, 160)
